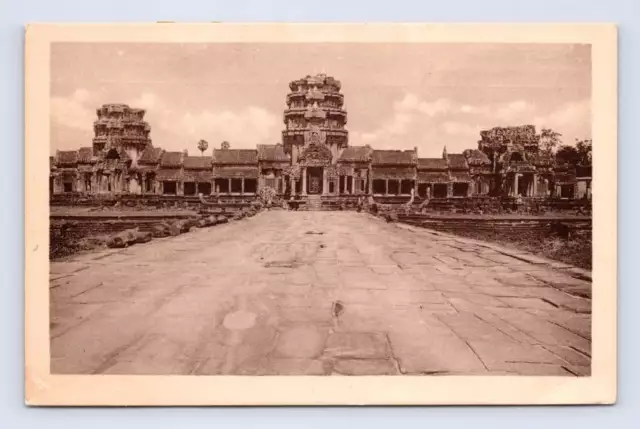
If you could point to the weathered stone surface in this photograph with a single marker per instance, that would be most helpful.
(470, 327)
(258, 297)
(293, 366)
(364, 367)
(474, 298)
(570, 355)
(529, 303)
(526, 368)
(503, 355)
(66, 267)
(360, 345)
(301, 342)
(545, 332)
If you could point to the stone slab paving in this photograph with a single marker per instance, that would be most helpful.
(317, 293)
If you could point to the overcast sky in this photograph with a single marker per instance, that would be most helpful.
(397, 95)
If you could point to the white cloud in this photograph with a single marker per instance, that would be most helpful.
(176, 131)
(147, 101)
(244, 128)
(519, 110)
(572, 120)
(412, 104)
(430, 125)
(78, 110)
(456, 128)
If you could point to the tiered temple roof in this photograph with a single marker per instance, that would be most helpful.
(356, 154)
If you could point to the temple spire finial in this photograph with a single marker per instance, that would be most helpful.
(444, 152)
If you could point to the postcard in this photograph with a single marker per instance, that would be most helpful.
(320, 214)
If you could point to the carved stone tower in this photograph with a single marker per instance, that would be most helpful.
(120, 129)
(314, 115)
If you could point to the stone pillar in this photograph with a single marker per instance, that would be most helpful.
(369, 182)
(242, 186)
(292, 185)
(229, 189)
(344, 185)
(304, 181)
(325, 185)
(535, 185)
(449, 189)
(386, 186)
(180, 187)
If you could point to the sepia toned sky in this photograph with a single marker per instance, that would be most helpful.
(397, 95)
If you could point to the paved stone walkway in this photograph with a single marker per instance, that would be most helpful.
(316, 293)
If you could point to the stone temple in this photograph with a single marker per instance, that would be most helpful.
(314, 163)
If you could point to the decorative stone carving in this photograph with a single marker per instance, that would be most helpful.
(315, 155)
(315, 136)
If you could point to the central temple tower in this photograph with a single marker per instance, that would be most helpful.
(314, 116)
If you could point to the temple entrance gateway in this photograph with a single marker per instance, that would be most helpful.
(315, 180)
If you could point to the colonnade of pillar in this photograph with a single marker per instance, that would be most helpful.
(345, 189)
(532, 187)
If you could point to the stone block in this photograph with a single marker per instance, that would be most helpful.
(570, 355)
(423, 351)
(538, 369)
(364, 367)
(359, 345)
(528, 303)
(471, 328)
(501, 355)
(473, 298)
(542, 330)
(295, 366)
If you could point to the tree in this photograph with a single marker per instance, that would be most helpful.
(225, 145)
(584, 151)
(567, 155)
(549, 140)
(202, 146)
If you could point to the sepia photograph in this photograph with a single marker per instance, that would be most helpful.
(335, 208)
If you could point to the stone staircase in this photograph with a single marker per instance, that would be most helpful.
(314, 203)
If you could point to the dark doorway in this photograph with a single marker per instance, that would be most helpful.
(169, 188)
(341, 182)
(379, 186)
(148, 187)
(222, 186)
(460, 189)
(566, 191)
(236, 186)
(393, 187)
(204, 188)
(440, 190)
(250, 186)
(189, 188)
(315, 184)
(523, 184)
(423, 189)
(406, 186)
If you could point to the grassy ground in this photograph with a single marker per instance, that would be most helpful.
(577, 250)
(62, 245)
